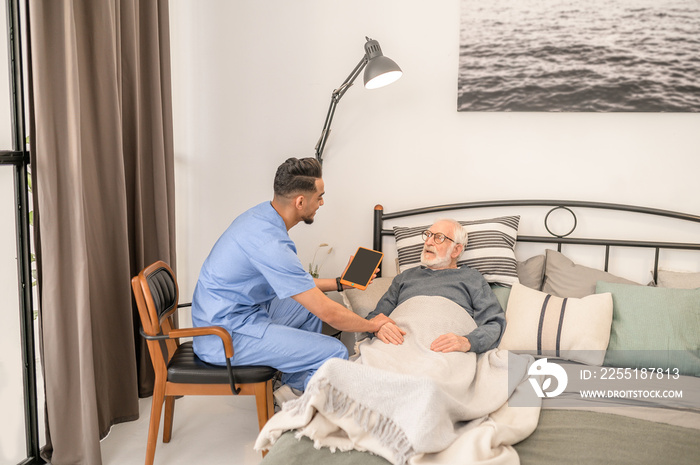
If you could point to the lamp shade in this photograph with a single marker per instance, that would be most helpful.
(380, 70)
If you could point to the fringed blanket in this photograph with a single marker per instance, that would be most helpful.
(409, 404)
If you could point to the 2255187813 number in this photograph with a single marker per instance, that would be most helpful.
(639, 373)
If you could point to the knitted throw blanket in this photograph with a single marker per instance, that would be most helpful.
(410, 404)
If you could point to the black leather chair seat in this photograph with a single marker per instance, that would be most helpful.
(185, 367)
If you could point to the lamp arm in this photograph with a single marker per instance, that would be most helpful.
(335, 98)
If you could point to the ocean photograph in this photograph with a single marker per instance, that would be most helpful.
(579, 55)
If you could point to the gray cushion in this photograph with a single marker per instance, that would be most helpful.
(678, 279)
(564, 278)
(531, 272)
(363, 302)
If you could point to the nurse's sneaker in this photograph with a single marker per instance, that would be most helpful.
(283, 394)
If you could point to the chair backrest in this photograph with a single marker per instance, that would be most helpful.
(156, 294)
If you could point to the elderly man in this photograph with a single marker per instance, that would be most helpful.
(439, 276)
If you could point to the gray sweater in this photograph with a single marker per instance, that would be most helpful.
(464, 286)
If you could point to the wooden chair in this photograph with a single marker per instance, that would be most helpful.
(178, 371)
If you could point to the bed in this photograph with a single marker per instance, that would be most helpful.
(626, 284)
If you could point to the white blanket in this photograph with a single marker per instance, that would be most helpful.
(410, 404)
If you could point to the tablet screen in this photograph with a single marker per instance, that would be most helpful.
(362, 267)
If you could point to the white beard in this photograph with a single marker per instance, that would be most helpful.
(437, 261)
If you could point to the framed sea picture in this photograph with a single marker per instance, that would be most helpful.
(579, 55)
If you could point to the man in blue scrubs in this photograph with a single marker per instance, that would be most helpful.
(254, 285)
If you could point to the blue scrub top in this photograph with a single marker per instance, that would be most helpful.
(253, 262)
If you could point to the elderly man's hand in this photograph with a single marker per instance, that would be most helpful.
(451, 343)
(389, 333)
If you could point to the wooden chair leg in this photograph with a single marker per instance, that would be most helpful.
(156, 408)
(264, 402)
(270, 401)
(168, 418)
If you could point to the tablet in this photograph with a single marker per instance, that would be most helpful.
(361, 269)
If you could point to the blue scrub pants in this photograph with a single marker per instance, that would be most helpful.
(292, 343)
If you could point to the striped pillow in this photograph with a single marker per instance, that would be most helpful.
(541, 324)
(489, 248)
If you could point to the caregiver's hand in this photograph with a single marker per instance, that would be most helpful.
(389, 333)
(450, 342)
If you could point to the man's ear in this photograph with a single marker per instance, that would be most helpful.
(457, 250)
(299, 201)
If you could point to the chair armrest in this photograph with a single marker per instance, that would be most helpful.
(204, 331)
(207, 331)
(225, 339)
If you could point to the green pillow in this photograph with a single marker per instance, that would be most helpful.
(502, 294)
(654, 327)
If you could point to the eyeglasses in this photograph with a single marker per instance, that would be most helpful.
(439, 238)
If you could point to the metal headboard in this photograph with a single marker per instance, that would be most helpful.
(380, 216)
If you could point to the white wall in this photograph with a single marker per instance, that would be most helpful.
(252, 82)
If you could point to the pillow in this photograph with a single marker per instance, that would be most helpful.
(654, 327)
(545, 325)
(489, 248)
(502, 293)
(678, 279)
(531, 272)
(564, 278)
(363, 302)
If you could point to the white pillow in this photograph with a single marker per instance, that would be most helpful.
(541, 324)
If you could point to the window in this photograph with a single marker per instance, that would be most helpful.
(19, 431)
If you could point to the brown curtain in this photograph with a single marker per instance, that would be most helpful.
(102, 160)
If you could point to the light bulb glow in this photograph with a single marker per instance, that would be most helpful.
(383, 80)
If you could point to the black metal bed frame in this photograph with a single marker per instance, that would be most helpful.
(380, 217)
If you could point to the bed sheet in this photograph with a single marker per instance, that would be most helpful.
(570, 430)
(562, 436)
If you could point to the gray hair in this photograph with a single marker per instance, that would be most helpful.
(460, 234)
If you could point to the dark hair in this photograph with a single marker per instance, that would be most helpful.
(297, 176)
